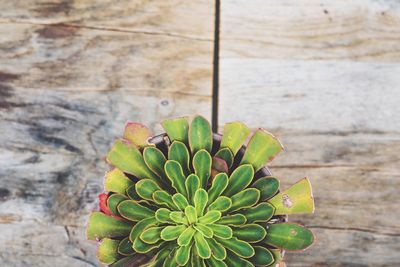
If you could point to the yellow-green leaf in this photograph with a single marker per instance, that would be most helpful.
(235, 133)
(175, 174)
(296, 199)
(222, 204)
(262, 148)
(177, 129)
(172, 232)
(102, 226)
(239, 179)
(107, 251)
(245, 199)
(137, 133)
(116, 181)
(218, 185)
(203, 249)
(134, 211)
(179, 152)
(200, 135)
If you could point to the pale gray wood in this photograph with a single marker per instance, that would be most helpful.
(323, 77)
(71, 74)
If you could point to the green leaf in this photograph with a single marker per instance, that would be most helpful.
(133, 211)
(195, 260)
(137, 133)
(107, 251)
(200, 201)
(233, 260)
(116, 181)
(163, 215)
(205, 230)
(235, 133)
(296, 199)
(235, 219)
(124, 261)
(128, 158)
(260, 213)
(262, 148)
(262, 256)
(177, 129)
(161, 257)
(163, 198)
(101, 226)
(142, 247)
(172, 232)
(239, 179)
(221, 204)
(175, 174)
(179, 152)
(250, 232)
(200, 135)
(239, 247)
(183, 255)
(170, 261)
(202, 166)
(203, 249)
(217, 250)
(218, 185)
(178, 217)
(125, 247)
(139, 227)
(268, 186)
(180, 201)
(186, 236)
(151, 235)
(146, 187)
(191, 214)
(155, 160)
(192, 183)
(210, 217)
(213, 262)
(289, 236)
(277, 254)
(245, 199)
(225, 154)
(132, 194)
(113, 201)
(221, 231)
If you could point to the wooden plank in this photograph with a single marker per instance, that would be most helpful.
(362, 30)
(322, 76)
(72, 73)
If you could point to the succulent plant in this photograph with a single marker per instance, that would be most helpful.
(194, 198)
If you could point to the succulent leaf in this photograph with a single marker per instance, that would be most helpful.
(180, 201)
(245, 199)
(268, 187)
(191, 214)
(117, 182)
(202, 166)
(219, 184)
(262, 147)
(221, 231)
(183, 255)
(102, 226)
(210, 217)
(107, 251)
(260, 213)
(289, 236)
(222, 203)
(177, 129)
(125, 247)
(186, 237)
(163, 215)
(151, 235)
(137, 133)
(175, 174)
(179, 152)
(235, 219)
(239, 180)
(200, 201)
(163, 198)
(296, 199)
(203, 249)
(203, 229)
(218, 251)
(200, 135)
(113, 201)
(139, 227)
(239, 247)
(192, 183)
(133, 211)
(250, 232)
(155, 161)
(213, 262)
(145, 188)
(235, 133)
(128, 158)
(132, 194)
(172, 232)
(262, 256)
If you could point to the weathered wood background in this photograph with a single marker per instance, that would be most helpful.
(324, 76)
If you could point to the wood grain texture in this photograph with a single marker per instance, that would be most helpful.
(71, 74)
(323, 76)
(361, 30)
